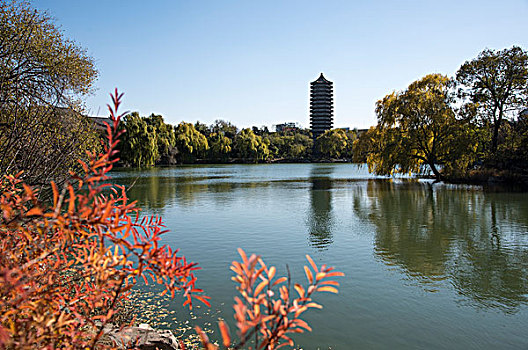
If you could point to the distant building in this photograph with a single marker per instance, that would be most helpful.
(99, 123)
(286, 127)
(321, 106)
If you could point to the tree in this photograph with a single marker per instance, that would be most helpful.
(139, 142)
(497, 81)
(251, 146)
(332, 144)
(165, 139)
(227, 128)
(43, 77)
(202, 128)
(289, 145)
(190, 142)
(417, 129)
(220, 146)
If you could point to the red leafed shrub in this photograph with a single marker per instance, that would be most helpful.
(265, 317)
(67, 264)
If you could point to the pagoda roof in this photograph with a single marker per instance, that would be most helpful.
(322, 79)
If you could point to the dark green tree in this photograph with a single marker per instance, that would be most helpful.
(226, 127)
(165, 139)
(497, 82)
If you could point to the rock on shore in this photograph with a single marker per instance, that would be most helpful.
(143, 337)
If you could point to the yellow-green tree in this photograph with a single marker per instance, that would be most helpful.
(220, 146)
(190, 142)
(332, 144)
(139, 142)
(417, 130)
(43, 78)
(250, 146)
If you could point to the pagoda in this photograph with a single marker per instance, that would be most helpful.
(321, 106)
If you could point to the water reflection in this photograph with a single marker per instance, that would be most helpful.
(154, 189)
(476, 240)
(320, 221)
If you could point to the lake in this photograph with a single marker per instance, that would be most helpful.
(428, 266)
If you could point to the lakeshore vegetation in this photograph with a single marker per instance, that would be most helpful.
(463, 128)
(72, 245)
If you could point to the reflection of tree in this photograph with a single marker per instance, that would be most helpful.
(320, 221)
(151, 190)
(154, 189)
(465, 236)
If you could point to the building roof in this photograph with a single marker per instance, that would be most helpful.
(322, 79)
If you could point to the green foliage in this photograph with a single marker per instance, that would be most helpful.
(333, 143)
(417, 128)
(43, 77)
(290, 145)
(497, 83)
(220, 147)
(166, 139)
(225, 127)
(190, 142)
(202, 128)
(139, 144)
(250, 146)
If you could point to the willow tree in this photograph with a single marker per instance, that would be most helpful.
(220, 146)
(250, 146)
(497, 82)
(417, 130)
(333, 143)
(43, 79)
(190, 142)
(139, 143)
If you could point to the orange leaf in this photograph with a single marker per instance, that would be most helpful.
(280, 280)
(243, 255)
(311, 262)
(271, 272)
(327, 289)
(309, 274)
(260, 287)
(299, 289)
(34, 211)
(224, 330)
(55, 194)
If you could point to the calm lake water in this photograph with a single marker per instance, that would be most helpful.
(428, 266)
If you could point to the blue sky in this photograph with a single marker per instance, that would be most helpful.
(250, 62)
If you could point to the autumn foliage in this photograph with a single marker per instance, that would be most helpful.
(66, 265)
(268, 311)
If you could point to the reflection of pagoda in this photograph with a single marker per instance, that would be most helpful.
(321, 106)
(320, 221)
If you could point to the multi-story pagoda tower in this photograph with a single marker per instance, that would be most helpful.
(321, 106)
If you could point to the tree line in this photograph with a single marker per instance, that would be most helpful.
(470, 126)
(150, 141)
